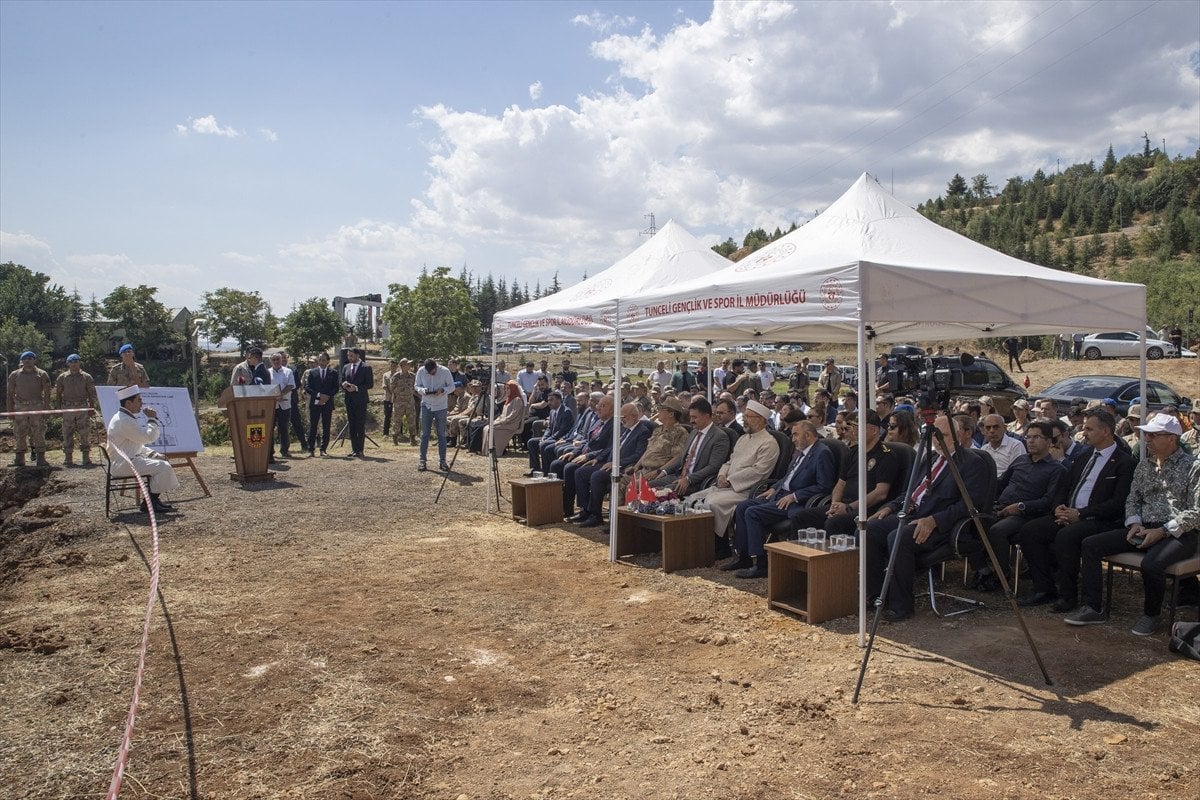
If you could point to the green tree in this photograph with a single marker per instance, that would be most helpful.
(93, 350)
(1110, 162)
(28, 296)
(434, 319)
(981, 188)
(312, 328)
(726, 248)
(17, 337)
(146, 321)
(956, 189)
(362, 324)
(236, 314)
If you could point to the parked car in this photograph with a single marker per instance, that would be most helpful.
(1121, 388)
(596, 347)
(647, 348)
(570, 347)
(1124, 344)
(667, 348)
(719, 350)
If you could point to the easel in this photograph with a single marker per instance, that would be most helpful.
(184, 461)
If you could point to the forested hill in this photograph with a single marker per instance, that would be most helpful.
(1134, 219)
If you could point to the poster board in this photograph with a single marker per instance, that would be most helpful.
(180, 433)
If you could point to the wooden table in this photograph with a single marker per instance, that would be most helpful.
(686, 541)
(536, 501)
(815, 583)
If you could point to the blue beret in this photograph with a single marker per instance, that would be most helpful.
(73, 357)
(905, 407)
(124, 348)
(28, 354)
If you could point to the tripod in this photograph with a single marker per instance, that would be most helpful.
(466, 428)
(924, 463)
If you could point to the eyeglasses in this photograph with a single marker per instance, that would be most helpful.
(893, 427)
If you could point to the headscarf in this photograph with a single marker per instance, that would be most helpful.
(514, 391)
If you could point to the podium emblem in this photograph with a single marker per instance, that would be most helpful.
(256, 434)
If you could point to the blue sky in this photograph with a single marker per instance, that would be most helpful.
(313, 149)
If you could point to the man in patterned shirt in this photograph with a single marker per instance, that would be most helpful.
(1162, 520)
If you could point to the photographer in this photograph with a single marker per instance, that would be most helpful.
(434, 385)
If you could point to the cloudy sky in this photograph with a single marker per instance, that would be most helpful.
(316, 149)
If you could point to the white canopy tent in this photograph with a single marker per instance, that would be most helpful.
(868, 267)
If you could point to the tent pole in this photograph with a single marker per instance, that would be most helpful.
(486, 447)
(614, 502)
(862, 482)
(707, 360)
(1142, 387)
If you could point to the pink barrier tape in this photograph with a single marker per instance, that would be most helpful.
(44, 412)
(114, 788)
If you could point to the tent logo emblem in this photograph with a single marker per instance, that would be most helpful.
(633, 313)
(587, 291)
(766, 256)
(831, 294)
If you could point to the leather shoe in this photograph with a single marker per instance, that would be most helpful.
(890, 615)
(578, 516)
(756, 571)
(740, 562)
(723, 549)
(444, 467)
(1063, 606)
(590, 521)
(1038, 599)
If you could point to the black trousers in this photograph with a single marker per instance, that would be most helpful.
(1161, 555)
(881, 533)
(356, 420)
(283, 418)
(324, 415)
(1052, 552)
(387, 417)
(297, 423)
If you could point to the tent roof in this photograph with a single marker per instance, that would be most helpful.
(870, 255)
(587, 310)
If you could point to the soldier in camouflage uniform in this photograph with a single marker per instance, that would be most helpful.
(403, 386)
(76, 389)
(29, 390)
(128, 372)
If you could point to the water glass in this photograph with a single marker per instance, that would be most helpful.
(537, 476)
(819, 538)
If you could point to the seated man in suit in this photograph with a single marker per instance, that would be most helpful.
(752, 460)
(592, 481)
(596, 449)
(812, 472)
(936, 507)
(725, 412)
(1025, 490)
(558, 424)
(705, 450)
(1090, 500)
(1162, 519)
(883, 472)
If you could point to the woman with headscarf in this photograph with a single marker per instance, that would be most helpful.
(510, 421)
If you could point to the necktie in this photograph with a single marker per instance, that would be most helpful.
(791, 473)
(691, 456)
(1083, 477)
(919, 494)
(353, 370)
(322, 374)
(553, 417)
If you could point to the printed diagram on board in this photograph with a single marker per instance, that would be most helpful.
(167, 437)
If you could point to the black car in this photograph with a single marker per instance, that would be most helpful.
(1121, 388)
(945, 378)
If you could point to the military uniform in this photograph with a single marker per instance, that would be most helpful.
(123, 375)
(403, 387)
(29, 390)
(76, 390)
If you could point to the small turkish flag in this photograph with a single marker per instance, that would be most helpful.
(1026, 381)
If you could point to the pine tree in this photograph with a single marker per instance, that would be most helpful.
(1110, 162)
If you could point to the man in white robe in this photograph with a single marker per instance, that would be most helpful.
(129, 434)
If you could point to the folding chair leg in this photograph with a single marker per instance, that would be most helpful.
(971, 605)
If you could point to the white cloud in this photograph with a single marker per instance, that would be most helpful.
(242, 258)
(535, 90)
(207, 125)
(603, 23)
(27, 250)
(765, 112)
(268, 134)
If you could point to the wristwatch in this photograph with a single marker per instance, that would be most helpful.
(1172, 528)
(1021, 507)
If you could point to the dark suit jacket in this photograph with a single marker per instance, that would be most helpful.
(262, 374)
(942, 500)
(1107, 502)
(597, 442)
(817, 475)
(563, 422)
(1079, 452)
(363, 378)
(634, 443)
(714, 451)
(314, 385)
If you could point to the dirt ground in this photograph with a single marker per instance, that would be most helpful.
(337, 634)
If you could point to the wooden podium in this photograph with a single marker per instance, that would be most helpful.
(251, 417)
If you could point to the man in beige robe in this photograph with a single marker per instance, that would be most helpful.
(752, 460)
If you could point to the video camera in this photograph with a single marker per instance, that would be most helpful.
(930, 379)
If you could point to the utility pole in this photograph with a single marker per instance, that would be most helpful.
(653, 229)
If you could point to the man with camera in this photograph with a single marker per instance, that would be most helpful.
(434, 385)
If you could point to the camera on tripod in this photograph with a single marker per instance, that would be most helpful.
(930, 379)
